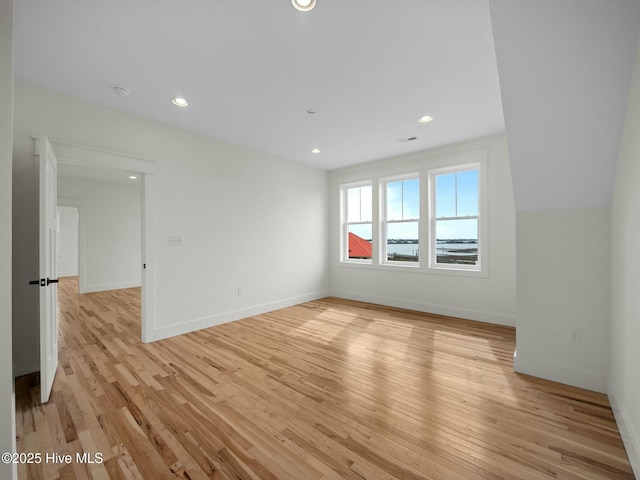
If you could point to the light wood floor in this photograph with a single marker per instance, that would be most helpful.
(329, 389)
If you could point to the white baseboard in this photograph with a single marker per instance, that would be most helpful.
(630, 437)
(219, 319)
(67, 274)
(448, 310)
(556, 372)
(104, 288)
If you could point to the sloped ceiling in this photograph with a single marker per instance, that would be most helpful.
(565, 69)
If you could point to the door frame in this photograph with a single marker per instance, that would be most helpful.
(82, 155)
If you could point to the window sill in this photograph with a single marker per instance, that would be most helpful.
(461, 272)
(421, 269)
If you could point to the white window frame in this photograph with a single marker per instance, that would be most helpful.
(425, 171)
(344, 223)
(480, 166)
(384, 222)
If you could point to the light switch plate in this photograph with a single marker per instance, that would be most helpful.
(176, 240)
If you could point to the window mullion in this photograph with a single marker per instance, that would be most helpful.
(466, 217)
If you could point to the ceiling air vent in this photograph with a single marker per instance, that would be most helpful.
(407, 139)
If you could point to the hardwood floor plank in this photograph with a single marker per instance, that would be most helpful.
(326, 390)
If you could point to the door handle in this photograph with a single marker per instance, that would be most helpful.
(42, 282)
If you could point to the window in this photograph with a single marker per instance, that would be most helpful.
(357, 235)
(455, 218)
(401, 223)
(383, 221)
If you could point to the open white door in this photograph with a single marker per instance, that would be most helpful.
(48, 269)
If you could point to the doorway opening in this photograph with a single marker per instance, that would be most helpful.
(114, 222)
(102, 212)
(68, 241)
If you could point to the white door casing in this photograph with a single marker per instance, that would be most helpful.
(82, 155)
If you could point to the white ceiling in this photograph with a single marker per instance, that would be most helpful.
(251, 69)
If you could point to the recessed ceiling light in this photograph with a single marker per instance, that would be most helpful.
(179, 101)
(425, 119)
(132, 177)
(315, 150)
(304, 5)
(311, 111)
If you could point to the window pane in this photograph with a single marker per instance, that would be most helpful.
(365, 203)
(403, 200)
(359, 241)
(394, 201)
(457, 241)
(359, 204)
(446, 195)
(353, 204)
(467, 193)
(402, 241)
(411, 199)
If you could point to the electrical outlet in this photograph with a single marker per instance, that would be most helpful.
(575, 335)
(240, 292)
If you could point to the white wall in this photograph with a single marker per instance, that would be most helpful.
(7, 392)
(565, 69)
(25, 261)
(109, 231)
(249, 220)
(68, 241)
(624, 377)
(490, 299)
(563, 282)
